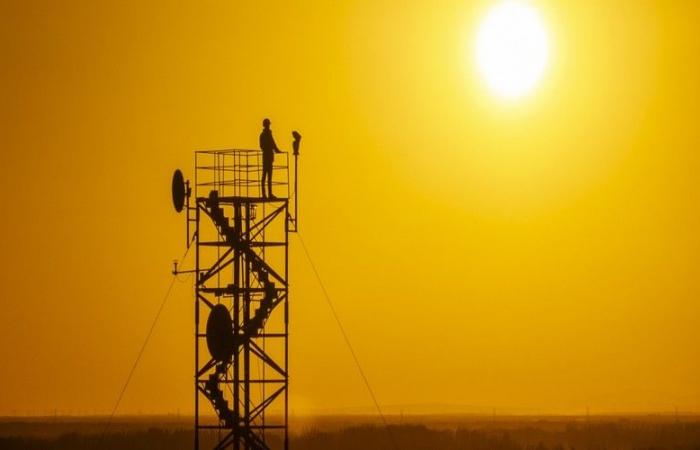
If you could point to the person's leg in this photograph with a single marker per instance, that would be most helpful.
(268, 169)
(262, 181)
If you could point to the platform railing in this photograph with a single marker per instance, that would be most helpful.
(238, 173)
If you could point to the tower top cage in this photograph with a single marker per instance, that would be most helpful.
(238, 173)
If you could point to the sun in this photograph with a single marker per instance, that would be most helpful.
(512, 48)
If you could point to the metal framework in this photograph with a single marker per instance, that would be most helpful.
(241, 262)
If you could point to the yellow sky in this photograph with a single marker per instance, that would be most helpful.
(531, 256)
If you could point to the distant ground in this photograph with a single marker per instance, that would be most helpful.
(353, 432)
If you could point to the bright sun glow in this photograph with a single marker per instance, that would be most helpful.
(512, 48)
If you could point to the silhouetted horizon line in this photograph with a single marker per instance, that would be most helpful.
(369, 415)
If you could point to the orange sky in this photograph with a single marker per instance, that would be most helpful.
(538, 256)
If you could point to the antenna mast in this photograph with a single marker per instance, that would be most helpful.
(241, 297)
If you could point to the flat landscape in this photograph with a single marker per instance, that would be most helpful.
(353, 432)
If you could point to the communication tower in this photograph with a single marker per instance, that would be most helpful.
(241, 296)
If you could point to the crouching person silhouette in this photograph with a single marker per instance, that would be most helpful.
(269, 148)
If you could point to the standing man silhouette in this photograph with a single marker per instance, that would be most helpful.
(269, 148)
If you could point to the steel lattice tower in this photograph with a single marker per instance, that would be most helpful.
(241, 294)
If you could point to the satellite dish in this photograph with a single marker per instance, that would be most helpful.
(179, 190)
(220, 333)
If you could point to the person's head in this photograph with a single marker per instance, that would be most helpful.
(266, 123)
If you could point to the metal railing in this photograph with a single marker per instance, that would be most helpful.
(238, 173)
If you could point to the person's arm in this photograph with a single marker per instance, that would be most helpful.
(274, 145)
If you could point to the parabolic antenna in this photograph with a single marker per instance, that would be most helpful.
(220, 333)
(179, 190)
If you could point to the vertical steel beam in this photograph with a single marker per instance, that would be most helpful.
(196, 329)
(237, 328)
(246, 317)
(286, 326)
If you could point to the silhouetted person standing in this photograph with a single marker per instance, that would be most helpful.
(269, 148)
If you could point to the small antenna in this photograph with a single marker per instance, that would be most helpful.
(297, 140)
(295, 146)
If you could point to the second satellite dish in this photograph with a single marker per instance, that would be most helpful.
(220, 333)
(179, 190)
